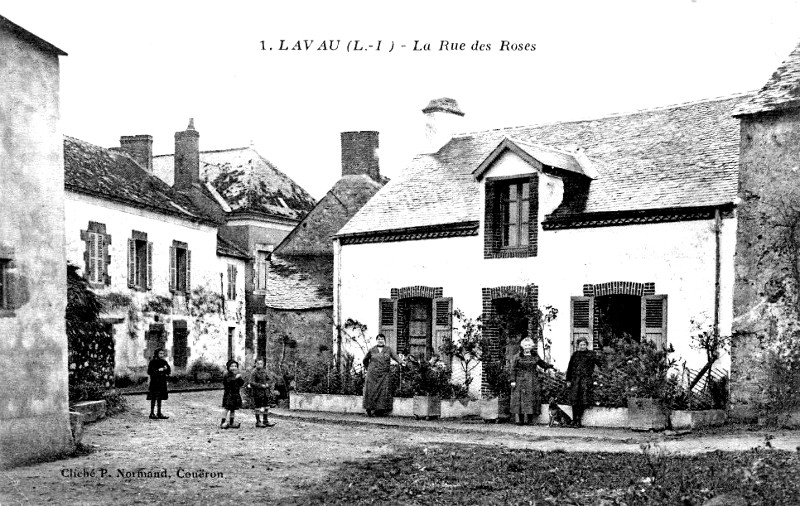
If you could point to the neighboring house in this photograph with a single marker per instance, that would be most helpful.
(299, 295)
(154, 257)
(767, 250)
(34, 410)
(625, 224)
(256, 205)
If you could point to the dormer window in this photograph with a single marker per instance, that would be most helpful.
(515, 212)
(510, 226)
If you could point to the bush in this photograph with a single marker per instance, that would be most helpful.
(115, 402)
(202, 366)
(320, 376)
(554, 386)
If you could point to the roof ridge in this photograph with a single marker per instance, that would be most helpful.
(212, 151)
(611, 115)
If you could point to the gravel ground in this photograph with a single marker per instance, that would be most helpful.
(195, 462)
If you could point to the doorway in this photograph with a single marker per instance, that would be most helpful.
(420, 330)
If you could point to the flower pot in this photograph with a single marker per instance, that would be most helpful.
(495, 409)
(645, 413)
(427, 407)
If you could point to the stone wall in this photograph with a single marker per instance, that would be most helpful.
(769, 186)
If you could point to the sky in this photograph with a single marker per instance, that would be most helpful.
(146, 67)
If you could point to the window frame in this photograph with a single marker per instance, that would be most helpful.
(494, 219)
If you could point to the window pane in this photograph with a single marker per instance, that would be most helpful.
(512, 236)
(512, 212)
(523, 235)
(525, 190)
(505, 235)
(524, 211)
(512, 192)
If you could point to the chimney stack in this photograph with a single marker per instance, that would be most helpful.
(140, 148)
(443, 118)
(359, 154)
(187, 157)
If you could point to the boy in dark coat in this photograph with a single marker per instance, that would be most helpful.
(580, 379)
(158, 370)
(232, 398)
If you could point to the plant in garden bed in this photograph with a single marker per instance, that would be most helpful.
(466, 347)
(203, 370)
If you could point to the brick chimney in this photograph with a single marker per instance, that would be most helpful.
(443, 118)
(140, 148)
(359, 154)
(187, 157)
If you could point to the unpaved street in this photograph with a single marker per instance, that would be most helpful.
(197, 463)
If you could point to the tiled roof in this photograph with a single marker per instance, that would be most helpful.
(227, 248)
(300, 282)
(113, 175)
(680, 156)
(782, 91)
(247, 181)
(314, 234)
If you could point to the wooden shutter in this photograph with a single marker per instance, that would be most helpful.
(387, 321)
(131, 263)
(188, 271)
(92, 274)
(654, 319)
(149, 265)
(173, 272)
(101, 258)
(233, 282)
(581, 318)
(442, 322)
(106, 259)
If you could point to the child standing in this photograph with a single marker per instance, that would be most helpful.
(158, 370)
(260, 392)
(231, 399)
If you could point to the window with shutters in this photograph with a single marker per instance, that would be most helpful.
(96, 257)
(180, 267)
(232, 272)
(510, 219)
(418, 324)
(140, 261)
(262, 270)
(606, 320)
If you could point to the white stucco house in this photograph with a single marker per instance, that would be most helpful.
(153, 256)
(625, 224)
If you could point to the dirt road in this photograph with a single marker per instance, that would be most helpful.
(189, 460)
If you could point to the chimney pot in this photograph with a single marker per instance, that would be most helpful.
(443, 118)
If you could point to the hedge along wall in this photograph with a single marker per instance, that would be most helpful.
(89, 340)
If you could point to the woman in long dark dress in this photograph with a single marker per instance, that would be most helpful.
(580, 379)
(378, 395)
(158, 369)
(526, 391)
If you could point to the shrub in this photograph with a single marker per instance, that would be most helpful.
(203, 366)
(554, 386)
(320, 376)
(115, 402)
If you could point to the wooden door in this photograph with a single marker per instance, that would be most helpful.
(419, 327)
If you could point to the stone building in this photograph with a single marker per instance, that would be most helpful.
(767, 251)
(625, 224)
(34, 411)
(299, 295)
(153, 255)
(255, 204)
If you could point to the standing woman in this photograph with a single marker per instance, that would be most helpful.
(158, 370)
(378, 394)
(580, 379)
(525, 388)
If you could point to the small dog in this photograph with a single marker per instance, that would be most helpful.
(558, 416)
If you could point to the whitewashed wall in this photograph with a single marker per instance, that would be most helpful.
(678, 257)
(208, 337)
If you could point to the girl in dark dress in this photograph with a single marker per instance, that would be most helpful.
(158, 370)
(260, 389)
(232, 398)
(580, 379)
(526, 391)
(378, 394)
